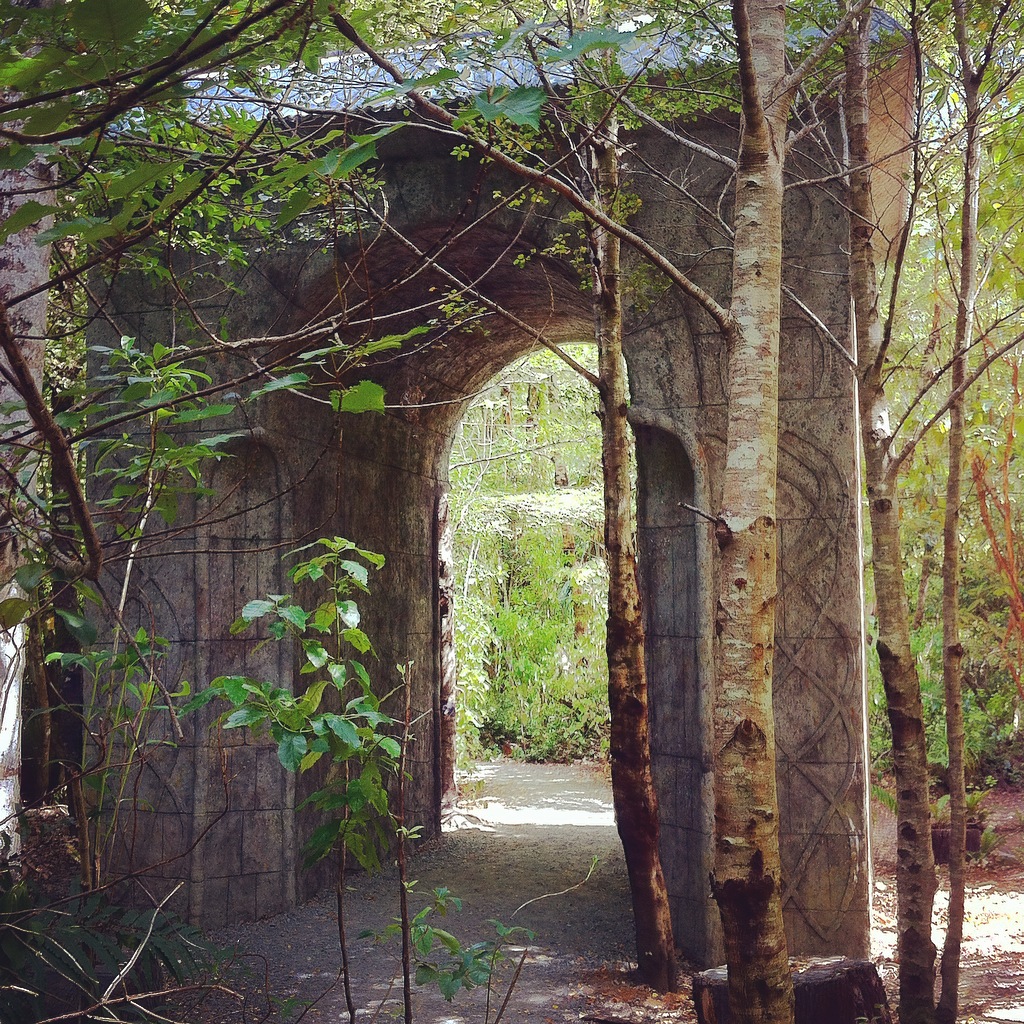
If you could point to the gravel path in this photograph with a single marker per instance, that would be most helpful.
(527, 831)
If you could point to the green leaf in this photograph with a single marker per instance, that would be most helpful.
(340, 163)
(294, 206)
(127, 184)
(361, 673)
(585, 42)
(449, 941)
(348, 612)
(522, 106)
(257, 609)
(343, 729)
(357, 572)
(291, 749)
(12, 611)
(322, 841)
(199, 700)
(449, 986)
(184, 187)
(310, 759)
(358, 639)
(316, 653)
(110, 21)
(390, 746)
(28, 576)
(28, 71)
(435, 78)
(424, 941)
(49, 117)
(16, 157)
(310, 700)
(204, 412)
(366, 396)
(426, 974)
(324, 616)
(292, 613)
(88, 229)
(80, 627)
(26, 215)
(291, 380)
(244, 716)
(234, 688)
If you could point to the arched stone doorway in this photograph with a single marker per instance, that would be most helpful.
(380, 481)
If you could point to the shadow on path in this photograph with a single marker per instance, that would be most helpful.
(526, 831)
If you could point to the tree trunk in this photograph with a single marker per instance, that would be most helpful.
(952, 649)
(915, 869)
(747, 877)
(636, 803)
(23, 265)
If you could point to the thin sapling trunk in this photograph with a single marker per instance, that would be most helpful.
(636, 802)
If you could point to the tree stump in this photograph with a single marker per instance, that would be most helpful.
(941, 841)
(832, 991)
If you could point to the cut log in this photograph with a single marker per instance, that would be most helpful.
(941, 839)
(831, 991)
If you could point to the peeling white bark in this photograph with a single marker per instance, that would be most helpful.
(23, 266)
(12, 665)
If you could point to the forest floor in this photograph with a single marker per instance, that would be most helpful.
(516, 849)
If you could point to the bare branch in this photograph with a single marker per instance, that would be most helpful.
(436, 112)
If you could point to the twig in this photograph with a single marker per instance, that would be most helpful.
(133, 959)
(403, 891)
(512, 985)
(564, 892)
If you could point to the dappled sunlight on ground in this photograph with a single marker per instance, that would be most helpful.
(992, 962)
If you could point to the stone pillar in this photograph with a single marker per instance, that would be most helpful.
(677, 369)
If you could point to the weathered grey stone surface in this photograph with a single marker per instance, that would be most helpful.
(225, 809)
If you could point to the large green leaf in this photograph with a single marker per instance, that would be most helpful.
(291, 749)
(79, 626)
(30, 576)
(126, 184)
(586, 42)
(243, 717)
(521, 106)
(290, 380)
(366, 396)
(110, 21)
(25, 216)
(24, 72)
(234, 688)
(13, 611)
(256, 609)
(294, 206)
(343, 729)
(48, 117)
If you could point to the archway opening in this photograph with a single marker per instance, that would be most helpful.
(527, 674)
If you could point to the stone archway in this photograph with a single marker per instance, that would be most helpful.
(380, 481)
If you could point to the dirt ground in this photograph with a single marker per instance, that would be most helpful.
(992, 961)
(515, 850)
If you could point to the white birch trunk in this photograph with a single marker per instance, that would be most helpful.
(24, 265)
(748, 876)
